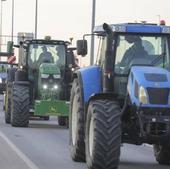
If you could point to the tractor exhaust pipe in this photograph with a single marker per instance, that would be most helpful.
(107, 28)
(109, 61)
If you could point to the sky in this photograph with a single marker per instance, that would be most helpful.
(62, 19)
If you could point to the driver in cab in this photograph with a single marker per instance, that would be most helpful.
(136, 51)
(45, 56)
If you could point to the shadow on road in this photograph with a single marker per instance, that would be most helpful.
(141, 165)
(45, 125)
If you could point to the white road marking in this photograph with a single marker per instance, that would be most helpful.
(19, 153)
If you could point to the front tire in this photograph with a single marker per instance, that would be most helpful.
(103, 135)
(76, 123)
(62, 121)
(20, 106)
(162, 154)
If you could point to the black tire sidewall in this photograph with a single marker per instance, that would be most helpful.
(79, 140)
(20, 115)
(162, 154)
(88, 120)
(92, 114)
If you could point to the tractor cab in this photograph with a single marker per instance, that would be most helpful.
(143, 47)
(46, 62)
(41, 52)
(128, 45)
(141, 50)
(48, 65)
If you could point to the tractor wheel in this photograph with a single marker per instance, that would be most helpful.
(21, 75)
(46, 118)
(20, 106)
(76, 123)
(62, 121)
(162, 154)
(8, 105)
(11, 74)
(103, 135)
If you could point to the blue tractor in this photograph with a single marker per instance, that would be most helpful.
(124, 97)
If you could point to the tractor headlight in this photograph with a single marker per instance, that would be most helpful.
(142, 95)
(44, 76)
(55, 87)
(45, 86)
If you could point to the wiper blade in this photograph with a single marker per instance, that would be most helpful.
(156, 60)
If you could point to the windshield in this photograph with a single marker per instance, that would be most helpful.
(46, 53)
(141, 50)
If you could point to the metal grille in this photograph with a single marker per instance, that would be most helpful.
(155, 77)
(158, 95)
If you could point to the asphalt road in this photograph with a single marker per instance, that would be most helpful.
(44, 145)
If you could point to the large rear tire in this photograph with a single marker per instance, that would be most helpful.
(103, 135)
(20, 106)
(162, 154)
(76, 123)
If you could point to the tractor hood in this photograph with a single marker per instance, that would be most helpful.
(149, 84)
(49, 81)
(49, 68)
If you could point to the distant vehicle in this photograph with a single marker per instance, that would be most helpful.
(10, 57)
(3, 76)
(40, 85)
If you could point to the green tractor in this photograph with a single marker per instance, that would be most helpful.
(40, 85)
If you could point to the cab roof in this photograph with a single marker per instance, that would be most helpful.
(136, 28)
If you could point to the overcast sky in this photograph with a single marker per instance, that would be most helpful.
(71, 18)
(62, 19)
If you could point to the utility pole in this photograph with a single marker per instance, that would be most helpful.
(36, 16)
(92, 27)
(159, 18)
(1, 26)
(12, 27)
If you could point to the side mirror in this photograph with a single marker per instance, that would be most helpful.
(10, 47)
(82, 47)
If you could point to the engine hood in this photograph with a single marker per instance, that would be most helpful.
(148, 76)
(154, 80)
(49, 68)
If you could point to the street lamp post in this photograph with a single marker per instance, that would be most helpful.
(12, 27)
(92, 27)
(1, 27)
(36, 16)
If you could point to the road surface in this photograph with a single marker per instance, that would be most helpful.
(44, 145)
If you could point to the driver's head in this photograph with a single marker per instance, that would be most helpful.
(59, 51)
(132, 38)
